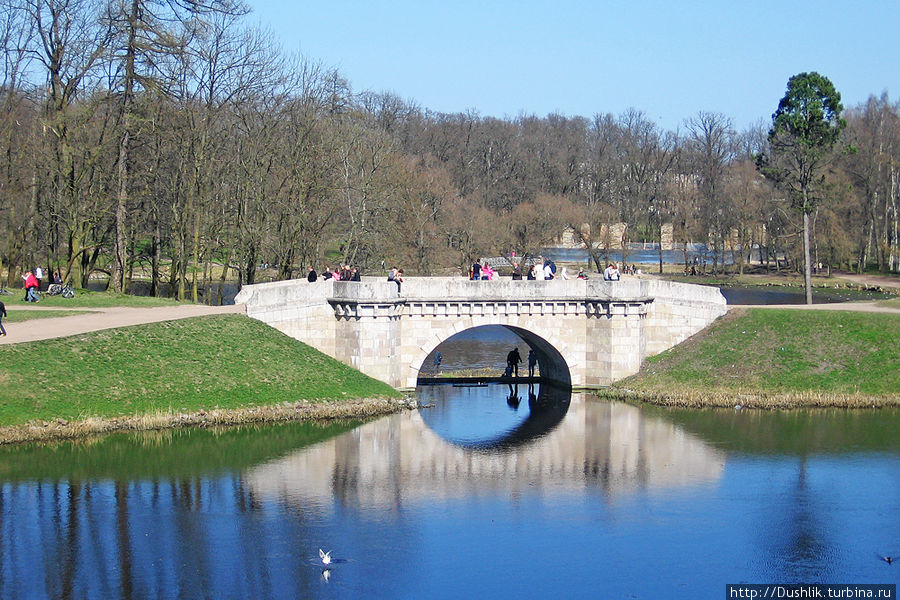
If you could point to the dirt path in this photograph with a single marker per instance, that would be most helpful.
(102, 318)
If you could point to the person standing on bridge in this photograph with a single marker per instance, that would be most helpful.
(512, 361)
(475, 271)
(549, 270)
(311, 275)
(532, 362)
(611, 273)
(517, 272)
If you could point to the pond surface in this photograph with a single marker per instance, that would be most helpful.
(768, 295)
(495, 492)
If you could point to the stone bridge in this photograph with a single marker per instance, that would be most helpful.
(586, 333)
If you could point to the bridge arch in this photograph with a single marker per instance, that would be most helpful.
(552, 365)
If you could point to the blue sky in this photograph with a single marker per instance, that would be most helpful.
(668, 59)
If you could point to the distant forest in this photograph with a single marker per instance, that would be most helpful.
(166, 138)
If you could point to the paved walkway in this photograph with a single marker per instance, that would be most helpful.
(101, 318)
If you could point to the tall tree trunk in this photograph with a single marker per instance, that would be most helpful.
(121, 234)
(807, 267)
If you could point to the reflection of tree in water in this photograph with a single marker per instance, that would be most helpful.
(794, 534)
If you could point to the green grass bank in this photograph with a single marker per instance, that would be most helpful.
(777, 358)
(204, 370)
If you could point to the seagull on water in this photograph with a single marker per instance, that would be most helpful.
(325, 556)
(888, 559)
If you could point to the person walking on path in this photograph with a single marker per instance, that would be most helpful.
(512, 362)
(31, 284)
(532, 362)
(2, 316)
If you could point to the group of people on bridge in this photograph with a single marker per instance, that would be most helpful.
(342, 273)
(542, 270)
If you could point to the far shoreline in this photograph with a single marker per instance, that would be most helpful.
(753, 400)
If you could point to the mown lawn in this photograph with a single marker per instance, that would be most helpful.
(781, 351)
(224, 361)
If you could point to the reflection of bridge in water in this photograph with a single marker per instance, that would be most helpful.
(610, 447)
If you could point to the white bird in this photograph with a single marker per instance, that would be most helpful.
(325, 556)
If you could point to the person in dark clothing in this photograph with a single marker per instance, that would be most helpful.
(532, 362)
(311, 275)
(512, 361)
(517, 272)
(2, 316)
(476, 271)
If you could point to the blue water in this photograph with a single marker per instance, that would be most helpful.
(640, 256)
(560, 497)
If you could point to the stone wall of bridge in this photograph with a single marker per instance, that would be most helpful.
(585, 332)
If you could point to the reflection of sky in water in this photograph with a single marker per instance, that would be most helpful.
(487, 411)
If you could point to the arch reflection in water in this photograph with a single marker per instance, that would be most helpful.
(398, 460)
(496, 416)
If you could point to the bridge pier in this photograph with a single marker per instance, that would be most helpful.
(586, 333)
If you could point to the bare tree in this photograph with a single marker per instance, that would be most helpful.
(711, 145)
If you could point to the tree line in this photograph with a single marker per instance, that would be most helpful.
(170, 139)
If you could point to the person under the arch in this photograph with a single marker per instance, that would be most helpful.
(512, 362)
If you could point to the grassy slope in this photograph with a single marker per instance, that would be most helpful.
(186, 365)
(767, 352)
